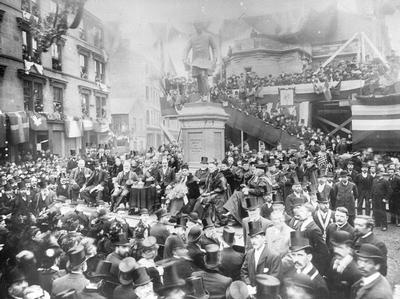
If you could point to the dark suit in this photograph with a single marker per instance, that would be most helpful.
(124, 292)
(321, 288)
(327, 194)
(379, 288)
(79, 177)
(269, 263)
(98, 177)
(47, 276)
(215, 283)
(371, 239)
(380, 190)
(364, 192)
(39, 203)
(394, 200)
(76, 281)
(231, 263)
(196, 254)
(265, 223)
(319, 249)
(339, 284)
(161, 233)
(165, 179)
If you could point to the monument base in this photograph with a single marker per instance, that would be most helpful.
(203, 132)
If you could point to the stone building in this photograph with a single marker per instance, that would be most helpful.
(62, 95)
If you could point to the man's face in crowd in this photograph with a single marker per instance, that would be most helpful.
(344, 179)
(81, 163)
(323, 206)
(350, 166)
(254, 214)
(372, 169)
(367, 266)
(246, 166)
(122, 251)
(360, 226)
(342, 250)
(212, 167)
(297, 188)
(300, 259)
(230, 160)
(321, 181)
(224, 167)
(391, 172)
(341, 218)
(185, 171)
(127, 166)
(257, 241)
(364, 169)
(164, 164)
(301, 212)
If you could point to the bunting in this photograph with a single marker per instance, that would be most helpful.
(19, 126)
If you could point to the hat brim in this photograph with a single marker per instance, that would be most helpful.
(298, 248)
(179, 283)
(368, 256)
(256, 234)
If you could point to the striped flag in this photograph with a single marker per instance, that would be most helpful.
(19, 125)
(376, 122)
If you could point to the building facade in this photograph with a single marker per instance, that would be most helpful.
(62, 94)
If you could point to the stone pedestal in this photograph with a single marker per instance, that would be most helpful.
(203, 132)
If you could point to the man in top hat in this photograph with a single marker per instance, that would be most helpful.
(341, 224)
(364, 233)
(49, 270)
(267, 287)
(43, 198)
(96, 272)
(75, 278)
(295, 198)
(372, 284)
(96, 186)
(79, 176)
(215, 283)
(192, 184)
(345, 194)
(149, 252)
(122, 185)
(126, 287)
(121, 251)
(258, 260)
(202, 172)
(301, 256)
(343, 271)
(363, 182)
(323, 215)
(380, 194)
(311, 231)
(160, 231)
(253, 210)
(174, 286)
(142, 284)
(231, 260)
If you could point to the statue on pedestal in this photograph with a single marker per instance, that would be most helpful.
(203, 48)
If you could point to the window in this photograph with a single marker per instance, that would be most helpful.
(147, 92)
(98, 37)
(147, 117)
(99, 69)
(56, 57)
(30, 50)
(58, 99)
(85, 105)
(83, 62)
(30, 6)
(33, 96)
(101, 107)
(83, 30)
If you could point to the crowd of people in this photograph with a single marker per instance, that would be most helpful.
(307, 216)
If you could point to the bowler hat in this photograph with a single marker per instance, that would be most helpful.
(207, 223)
(171, 279)
(343, 174)
(255, 228)
(267, 286)
(251, 203)
(76, 255)
(149, 243)
(126, 266)
(194, 234)
(67, 294)
(161, 213)
(298, 241)
(195, 288)
(341, 237)
(204, 160)
(212, 256)
(369, 251)
(228, 235)
(140, 276)
(122, 240)
(237, 290)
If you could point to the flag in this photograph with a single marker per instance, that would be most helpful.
(376, 123)
(73, 128)
(3, 130)
(37, 122)
(19, 126)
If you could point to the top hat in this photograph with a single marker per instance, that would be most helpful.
(161, 213)
(102, 270)
(298, 241)
(181, 221)
(341, 237)
(204, 160)
(185, 166)
(195, 233)
(67, 294)
(171, 279)
(207, 223)
(126, 266)
(122, 240)
(140, 276)
(228, 235)
(321, 199)
(369, 251)
(76, 255)
(149, 243)
(303, 281)
(255, 228)
(212, 256)
(267, 286)
(251, 203)
(237, 290)
(195, 288)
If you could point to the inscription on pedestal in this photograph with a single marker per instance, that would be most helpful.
(195, 142)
